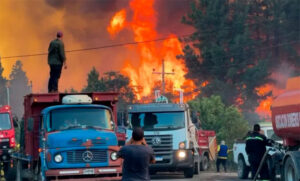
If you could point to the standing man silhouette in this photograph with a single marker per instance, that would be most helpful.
(56, 60)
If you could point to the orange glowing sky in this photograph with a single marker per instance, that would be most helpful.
(28, 26)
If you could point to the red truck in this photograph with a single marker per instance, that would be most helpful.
(69, 137)
(7, 141)
(286, 124)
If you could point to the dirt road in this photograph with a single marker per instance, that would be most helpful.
(204, 176)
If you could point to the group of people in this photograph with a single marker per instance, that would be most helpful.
(255, 148)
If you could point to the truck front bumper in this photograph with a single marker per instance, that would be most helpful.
(5, 154)
(176, 163)
(90, 174)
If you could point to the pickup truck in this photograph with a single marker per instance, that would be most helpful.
(240, 156)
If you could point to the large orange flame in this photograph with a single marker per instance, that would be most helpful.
(117, 23)
(151, 55)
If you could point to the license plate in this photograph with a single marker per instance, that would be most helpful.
(88, 171)
(158, 158)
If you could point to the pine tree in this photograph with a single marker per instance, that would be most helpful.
(3, 84)
(94, 83)
(222, 53)
(19, 87)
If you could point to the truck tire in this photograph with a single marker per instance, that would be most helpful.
(204, 163)
(271, 169)
(243, 169)
(290, 172)
(189, 172)
(197, 166)
(39, 174)
(19, 171)
(9, 173)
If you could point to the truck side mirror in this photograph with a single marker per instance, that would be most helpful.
(194, 117)
(15, 122)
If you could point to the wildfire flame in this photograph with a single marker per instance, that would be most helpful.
(117, 23)
(264, 108)
(151, 54)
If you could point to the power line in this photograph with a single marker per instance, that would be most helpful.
(100, 47)
(129, 43)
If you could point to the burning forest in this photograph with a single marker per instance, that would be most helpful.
(142, 39)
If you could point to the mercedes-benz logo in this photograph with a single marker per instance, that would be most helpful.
(156, 141)
(87, 156)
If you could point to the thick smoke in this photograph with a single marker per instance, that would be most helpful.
(28, 26)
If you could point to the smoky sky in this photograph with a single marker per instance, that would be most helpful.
(169, 14)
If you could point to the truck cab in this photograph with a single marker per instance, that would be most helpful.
(74, 138)
(7, 133)
(169, 130)
(7, 141)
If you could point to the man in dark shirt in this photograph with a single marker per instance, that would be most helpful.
(137, 156)
(256, 147)
(56, 60)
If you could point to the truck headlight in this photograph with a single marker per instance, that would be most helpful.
(114, 156)
(181, 154)
(58, 158)
(182, 145)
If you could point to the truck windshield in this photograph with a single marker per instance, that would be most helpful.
(72, 118)
(157, 120)
(5, 123)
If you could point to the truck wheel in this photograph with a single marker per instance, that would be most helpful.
(189, 172)
(9, 173)
(271, 169)
(19, 171)
(204, 163)
(39, 174)
(243, 170)
(197, 166)
(290, 172)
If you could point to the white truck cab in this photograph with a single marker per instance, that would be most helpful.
(169, 130)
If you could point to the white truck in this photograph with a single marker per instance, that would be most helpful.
(240, 156)
(170, 131)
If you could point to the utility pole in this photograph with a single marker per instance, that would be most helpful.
(163, 73)
(7, 90)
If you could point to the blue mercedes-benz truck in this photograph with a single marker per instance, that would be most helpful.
(69, 136)
(171, 132)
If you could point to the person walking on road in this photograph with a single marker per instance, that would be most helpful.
(56, 60)
(137, 157)
(256, 147)
(222, 156)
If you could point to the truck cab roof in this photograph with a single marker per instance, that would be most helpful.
(157, 107)
(48, 109)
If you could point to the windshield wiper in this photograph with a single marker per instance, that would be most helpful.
(71, 127)
(93, 127)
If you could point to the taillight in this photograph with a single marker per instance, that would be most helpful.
(12, 142)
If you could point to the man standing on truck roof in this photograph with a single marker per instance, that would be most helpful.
(222, 156)
(56, 60)
(256, 147)
(137, 156)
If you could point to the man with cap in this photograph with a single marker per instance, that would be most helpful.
(256, 147)
(137, 157)
(56, 60)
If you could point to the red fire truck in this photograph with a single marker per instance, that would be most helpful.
(286, 124)
(7, 141)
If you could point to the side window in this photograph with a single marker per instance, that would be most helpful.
(41, 123)
(30, 124)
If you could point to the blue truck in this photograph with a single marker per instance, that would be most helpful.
(69, 137)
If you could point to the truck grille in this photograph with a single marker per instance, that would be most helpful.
(4, 143)
(87, 156)
(162, 150)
